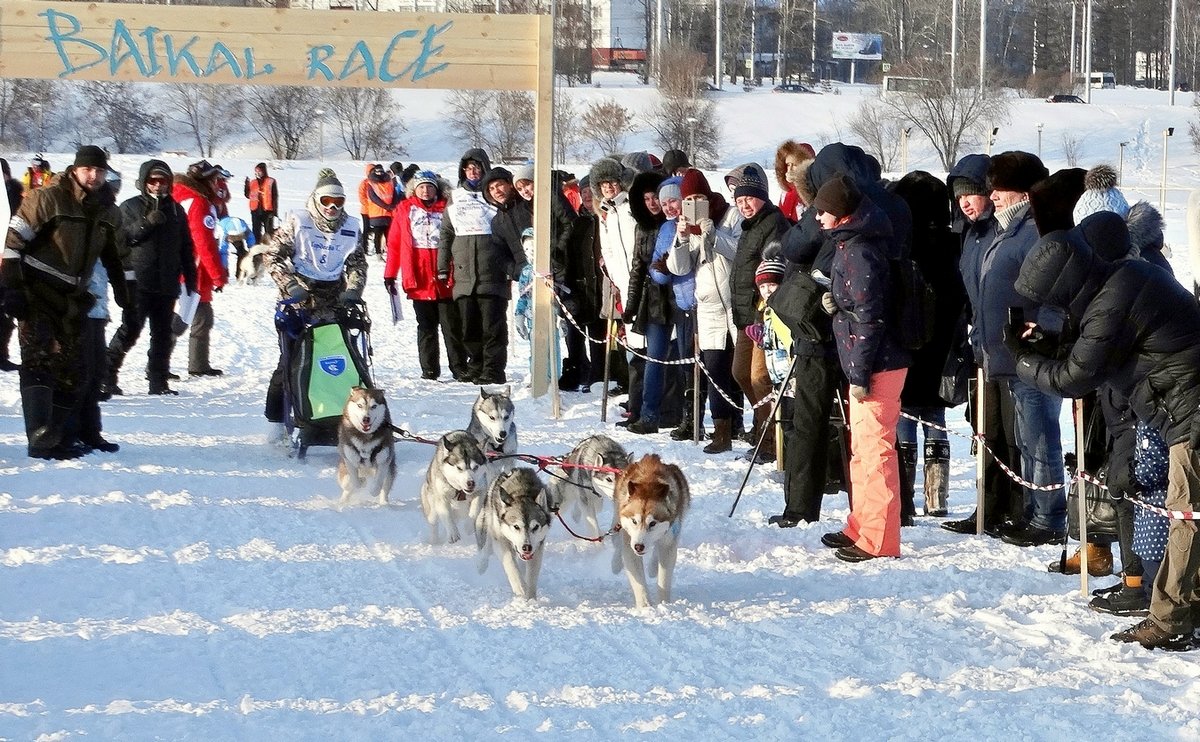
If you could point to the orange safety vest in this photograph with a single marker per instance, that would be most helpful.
(263, 192)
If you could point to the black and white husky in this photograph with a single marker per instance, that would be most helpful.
(513, 521)
(493, 423)
(366, 446)
(454, 482)
(585, 489)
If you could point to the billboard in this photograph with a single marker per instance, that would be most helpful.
(857, 45)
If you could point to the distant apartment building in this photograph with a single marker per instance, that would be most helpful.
(619, 34)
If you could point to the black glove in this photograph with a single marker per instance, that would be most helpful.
(155, 218)
(122, 296)
(390, 285)
(1012, 340)
(628, 316)
(349, 297)
(14, 304)
(443, 277)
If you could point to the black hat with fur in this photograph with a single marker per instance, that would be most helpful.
(1015, 171)
(1052, 199)
(605, 169)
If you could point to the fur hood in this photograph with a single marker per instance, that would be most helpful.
(644, 183)
(1145, 225)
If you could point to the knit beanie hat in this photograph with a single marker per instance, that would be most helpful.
(674, 159)
(89, 155)
(641, 162)
(328, 185)
(839, 196)
(523, 172)
(670, 188)
(424, 176)
(964, 186)
(1100, 194)
(1015, 171)
(770, 270)
(751, 181)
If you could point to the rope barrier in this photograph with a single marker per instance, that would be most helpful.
(1079, 475)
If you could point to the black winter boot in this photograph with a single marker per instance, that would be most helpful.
(907, 454)
(44, 424)
(937, 477)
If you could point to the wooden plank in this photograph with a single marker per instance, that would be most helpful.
(297, 22)
(545, 372)
(98, 41)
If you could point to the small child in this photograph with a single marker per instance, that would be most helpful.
(523, 309)
(776, 338)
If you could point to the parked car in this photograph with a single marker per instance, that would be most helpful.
(792, 87)
(1064, 98)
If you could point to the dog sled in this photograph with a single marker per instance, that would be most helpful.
(323, 358)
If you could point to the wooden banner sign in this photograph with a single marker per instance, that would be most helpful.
(155, 43)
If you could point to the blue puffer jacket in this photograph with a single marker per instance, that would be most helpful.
(997, 293)
(862, 290)
(683, 287)
(977, 237)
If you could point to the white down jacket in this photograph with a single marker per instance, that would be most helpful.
(711, 254)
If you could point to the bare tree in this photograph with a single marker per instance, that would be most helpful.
(282, 116)
(209, 112)
(19, 119)
(126, 113)
(878, 128)
(1072, 149)
(948, 116)
(605, 124)
(499, 121)
(368, 121)
(566, 126)
(681, 118)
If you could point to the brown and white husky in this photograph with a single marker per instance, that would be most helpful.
(650, 501)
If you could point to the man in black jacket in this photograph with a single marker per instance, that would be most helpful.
(156, 232)
(1139, 331)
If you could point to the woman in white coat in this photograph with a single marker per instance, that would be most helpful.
(707, 252)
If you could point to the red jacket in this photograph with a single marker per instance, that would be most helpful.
(415, 228)
(202, 220)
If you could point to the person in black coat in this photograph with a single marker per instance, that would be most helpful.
(935, 249)
(15, 193)
(645, 301)
(156, 231)
(1138, 331)
(578, 260)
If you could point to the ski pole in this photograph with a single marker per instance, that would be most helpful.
(762, 435)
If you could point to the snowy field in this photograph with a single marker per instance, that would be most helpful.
(200, 584)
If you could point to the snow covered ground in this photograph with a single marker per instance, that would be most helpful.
(200, 584)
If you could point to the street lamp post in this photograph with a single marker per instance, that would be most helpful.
(1039, 128)
(904, 148)
(41, 128)
(1121, 163)
(992, 139)
(1162, 195)
(320, 133)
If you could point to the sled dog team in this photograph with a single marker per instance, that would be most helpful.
(508, 506)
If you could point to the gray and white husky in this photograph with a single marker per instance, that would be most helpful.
(494, 425)
(513, 521)
(453, 484)
(586, 490)
(366, 446)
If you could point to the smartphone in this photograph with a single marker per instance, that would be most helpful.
(695, 208)
(1016, 317)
